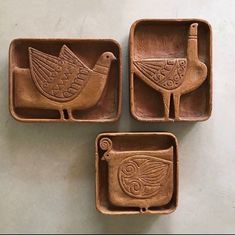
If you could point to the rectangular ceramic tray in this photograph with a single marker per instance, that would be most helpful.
(170, 70)
(61, 80)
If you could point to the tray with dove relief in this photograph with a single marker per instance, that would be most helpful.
(65, 80)
(136, 173)
(170, 70)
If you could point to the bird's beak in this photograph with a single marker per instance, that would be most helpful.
(114, 57)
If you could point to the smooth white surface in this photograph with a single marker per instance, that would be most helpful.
(47, 170)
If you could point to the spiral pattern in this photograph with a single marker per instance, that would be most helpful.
(105, 144)
(136, 187)
(129, 169)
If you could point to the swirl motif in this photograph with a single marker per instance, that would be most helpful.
(136, 187)
(142, 176)
(129, 169)
(105, 144)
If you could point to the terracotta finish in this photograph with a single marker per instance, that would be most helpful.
(171, 58)
(136, 173)
(65, 80)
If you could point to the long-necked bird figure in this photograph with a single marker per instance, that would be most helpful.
(174, 76)
(67, 81)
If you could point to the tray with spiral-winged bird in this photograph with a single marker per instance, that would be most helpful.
(136, 173)
(170, 70)
(65, 80)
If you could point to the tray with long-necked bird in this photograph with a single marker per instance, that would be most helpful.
(170, 70)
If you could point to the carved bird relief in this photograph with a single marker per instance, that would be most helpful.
(174, 76)
(67, 81)
(138, 178)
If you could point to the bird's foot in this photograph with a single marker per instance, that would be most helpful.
(177, 118)
(70, 114)
(62, 115)
(166, 119)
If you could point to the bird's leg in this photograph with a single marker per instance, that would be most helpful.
(166, 101)
(176, 98)
(65, 114)
(61, 114)
(70, 115)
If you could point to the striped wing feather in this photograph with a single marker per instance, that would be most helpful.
(164, 73)
(67, 55)
(58, 78)
(152, 173)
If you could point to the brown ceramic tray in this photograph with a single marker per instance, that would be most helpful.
(170, 70)
(136, 173)
(65, 80)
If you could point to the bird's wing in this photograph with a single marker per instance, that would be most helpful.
(67, 55)
(154, 172)
(56, 78)
(143, 176)
(165, 73)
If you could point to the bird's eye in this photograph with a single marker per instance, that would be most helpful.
(107, 56)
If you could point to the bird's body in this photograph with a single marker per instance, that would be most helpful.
(174, 76)
(142, 178)
(148, 174)
(66, 81)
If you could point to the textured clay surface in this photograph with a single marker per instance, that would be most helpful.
(136, 173)
(170, 70)
(65, 80)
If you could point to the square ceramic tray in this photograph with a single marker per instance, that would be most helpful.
(136, 173)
